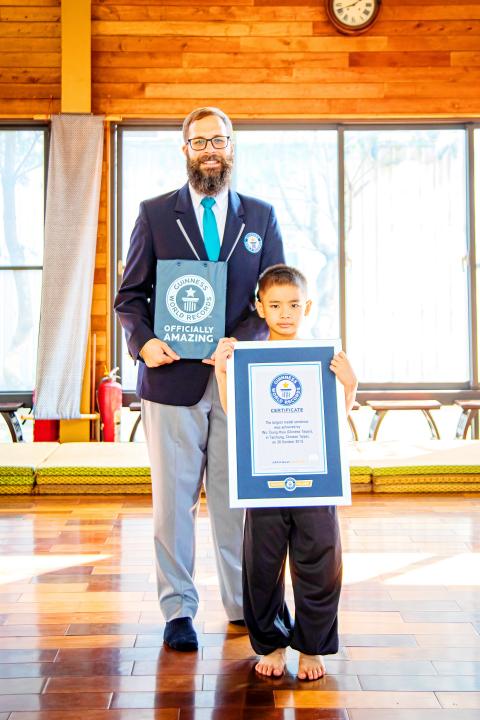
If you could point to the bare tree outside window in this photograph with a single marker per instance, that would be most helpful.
(21, 254)
(406, 244)
(152, 164)
(297, 171)
(405, 227)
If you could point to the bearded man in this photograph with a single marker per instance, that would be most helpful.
(185, 427)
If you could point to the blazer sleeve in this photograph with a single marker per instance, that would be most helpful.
(253, 327)
(133, 301)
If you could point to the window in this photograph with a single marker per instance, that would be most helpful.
(295, 171)
(476, 217)
(406, 251)
(151, 164)
(22, 197)
(387, 261)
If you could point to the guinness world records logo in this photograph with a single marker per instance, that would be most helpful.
(190, 298)
(253, 242)
(290, 484)
(286, 389)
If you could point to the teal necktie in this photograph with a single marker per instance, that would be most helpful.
(210, 230)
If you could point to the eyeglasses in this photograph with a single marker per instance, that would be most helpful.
(219, 142)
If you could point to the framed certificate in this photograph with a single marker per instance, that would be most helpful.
(286, 425)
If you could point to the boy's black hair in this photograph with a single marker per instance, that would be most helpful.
(281, 275)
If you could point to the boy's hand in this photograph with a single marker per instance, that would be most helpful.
(340, 365)
(211, 360)
(224, 350)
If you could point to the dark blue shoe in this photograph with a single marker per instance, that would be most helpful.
(180, 635)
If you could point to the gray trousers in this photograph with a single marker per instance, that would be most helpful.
(184, 443)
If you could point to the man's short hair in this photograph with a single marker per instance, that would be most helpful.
(202, 112)
(281, 275)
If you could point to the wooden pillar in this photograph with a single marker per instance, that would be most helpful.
(76, 56)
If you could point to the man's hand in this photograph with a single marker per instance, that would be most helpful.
(155, 353)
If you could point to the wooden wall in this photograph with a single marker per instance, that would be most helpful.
(255, 58)
(29, 57)
(260, 59)
(283, 59)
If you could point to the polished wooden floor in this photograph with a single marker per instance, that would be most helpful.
(81, 633)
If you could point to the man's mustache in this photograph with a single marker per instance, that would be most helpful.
(205, 158)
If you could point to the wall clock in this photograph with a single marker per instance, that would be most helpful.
(352, 16)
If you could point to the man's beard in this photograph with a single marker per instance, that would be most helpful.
(210, 181)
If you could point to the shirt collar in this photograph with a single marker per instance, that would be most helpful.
(221, 199)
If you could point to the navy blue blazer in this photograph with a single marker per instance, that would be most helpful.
(156, 235)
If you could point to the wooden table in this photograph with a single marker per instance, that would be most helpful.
(470, 410)
(381, 407)
(9, 414)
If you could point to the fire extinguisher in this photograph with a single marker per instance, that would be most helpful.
(109, 401)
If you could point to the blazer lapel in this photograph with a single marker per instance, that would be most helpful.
(233, 225)
(186, 214)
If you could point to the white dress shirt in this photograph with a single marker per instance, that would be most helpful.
(219, 209)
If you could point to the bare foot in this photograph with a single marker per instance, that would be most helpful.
(310, 667)
(272, 664)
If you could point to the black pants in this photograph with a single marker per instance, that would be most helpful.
(311, 537)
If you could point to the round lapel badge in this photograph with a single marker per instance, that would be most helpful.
(253, 242)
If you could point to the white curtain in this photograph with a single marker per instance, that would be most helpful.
(73, 195)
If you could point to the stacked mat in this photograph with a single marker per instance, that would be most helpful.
(433, 466)
(360, 470)
(95, 469)
(17, 465)
(123, 468)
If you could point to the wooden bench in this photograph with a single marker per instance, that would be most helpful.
(9, 414)
(470, 410)
(135, 407)
(356, 405)
(381, 407)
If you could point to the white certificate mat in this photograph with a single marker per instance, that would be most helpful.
(287, 422)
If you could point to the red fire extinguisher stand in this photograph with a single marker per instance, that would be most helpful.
(109, 402)
(45, 430)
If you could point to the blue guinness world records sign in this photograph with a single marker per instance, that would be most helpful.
(190, 299)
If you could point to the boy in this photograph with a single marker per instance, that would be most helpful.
(309, 534)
